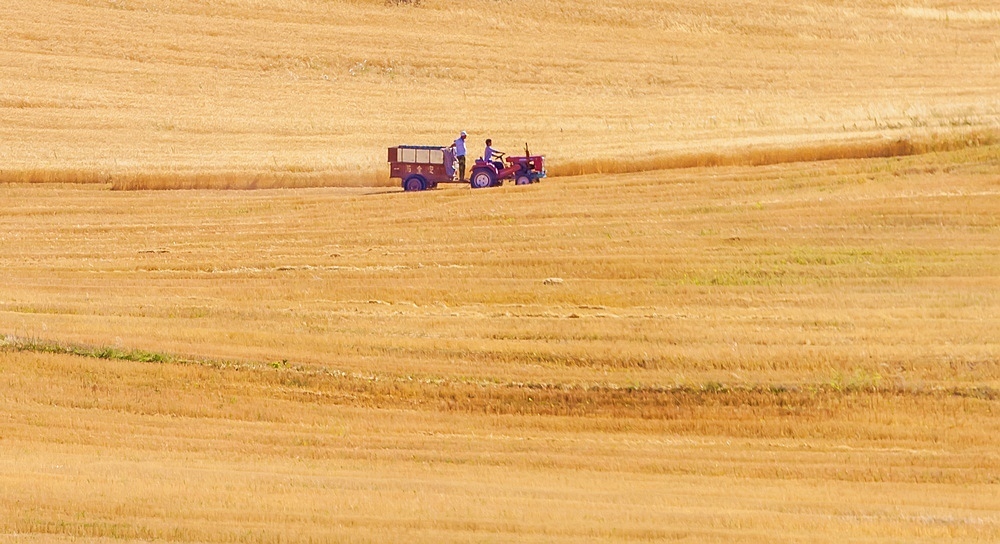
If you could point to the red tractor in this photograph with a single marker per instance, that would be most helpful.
(523, 170)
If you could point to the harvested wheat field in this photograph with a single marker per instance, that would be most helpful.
(757, 299)
(804, 352)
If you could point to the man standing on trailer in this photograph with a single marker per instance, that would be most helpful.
(459, 146)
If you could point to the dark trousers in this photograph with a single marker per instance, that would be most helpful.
(461, 167)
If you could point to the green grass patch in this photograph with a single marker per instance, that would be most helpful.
(105, 352)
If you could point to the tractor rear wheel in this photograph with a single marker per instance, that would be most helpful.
(482, 178)
(413, 183)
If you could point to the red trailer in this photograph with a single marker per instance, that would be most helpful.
(421, 167)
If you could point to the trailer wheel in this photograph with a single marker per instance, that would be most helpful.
(481, 179)
(522, 180)
(414, 183)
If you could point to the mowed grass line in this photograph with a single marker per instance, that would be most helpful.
(773, 154)
(125, 450)
(636, 402)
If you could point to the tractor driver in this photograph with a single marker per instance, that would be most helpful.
(459, 146)
(490, 153)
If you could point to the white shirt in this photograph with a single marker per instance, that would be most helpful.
(459, 147)
(488, 154)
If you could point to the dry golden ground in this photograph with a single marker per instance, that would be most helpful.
(801, 352)
(797, 352)
(107, 451)
(878, 272)
(264, 93)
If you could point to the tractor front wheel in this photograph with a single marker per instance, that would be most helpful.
(522, 180)
(482, 179)
(413, 183)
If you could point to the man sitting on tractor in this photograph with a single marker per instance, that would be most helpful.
(490, 153)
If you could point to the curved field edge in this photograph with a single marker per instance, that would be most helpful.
(765, 153)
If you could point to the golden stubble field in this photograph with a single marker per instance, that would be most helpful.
(265, 93)
(803, 352)
(765, 347)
